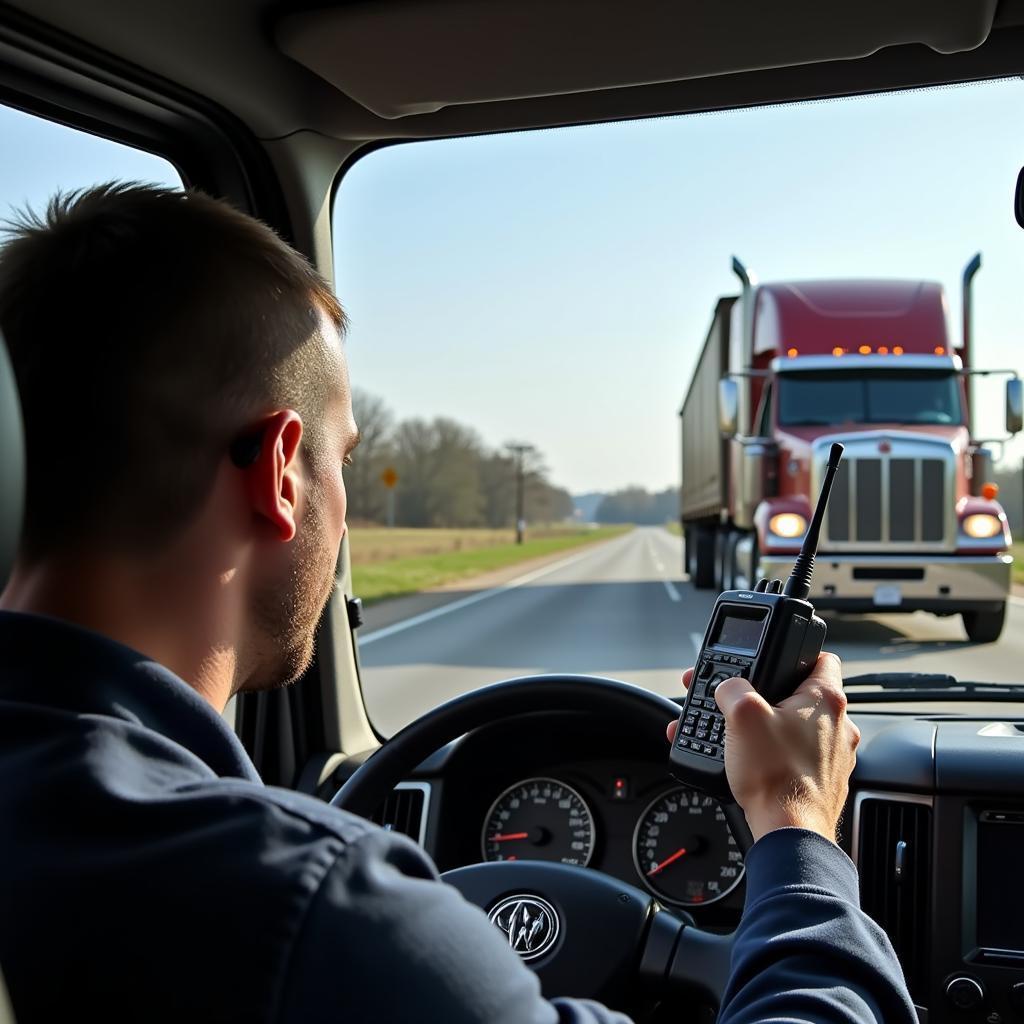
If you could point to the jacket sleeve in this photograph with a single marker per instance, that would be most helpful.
(383, 940)
(805, 951)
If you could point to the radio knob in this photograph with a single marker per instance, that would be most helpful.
(1017, 996)
(965, 992)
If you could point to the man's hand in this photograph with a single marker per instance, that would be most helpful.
(789, 765)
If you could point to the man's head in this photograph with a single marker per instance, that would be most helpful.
(171, 353)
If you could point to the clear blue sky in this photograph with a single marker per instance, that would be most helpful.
(556, 286)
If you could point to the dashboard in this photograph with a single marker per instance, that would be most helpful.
(935, 824)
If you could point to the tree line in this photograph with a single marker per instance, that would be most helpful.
(636, 505)
(447, 475)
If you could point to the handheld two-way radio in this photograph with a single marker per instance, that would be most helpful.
(770, 636)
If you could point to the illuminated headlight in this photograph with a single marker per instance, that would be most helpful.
(982, 525)
(790, 524)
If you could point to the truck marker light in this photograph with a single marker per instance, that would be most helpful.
(990, 491)
(865, 350)
(837, 351)
(982, 525)
(883, 350)
(940, 350)
(787, 524)
(792, 352)
(897, 350)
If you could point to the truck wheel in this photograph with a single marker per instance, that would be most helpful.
(703, 574)
(984, 627)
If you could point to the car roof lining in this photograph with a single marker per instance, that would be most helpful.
(428, 69)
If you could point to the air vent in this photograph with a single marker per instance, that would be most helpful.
(895, 862)
(405, 810)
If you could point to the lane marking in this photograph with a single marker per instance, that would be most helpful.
(483, 595)
(670, 587)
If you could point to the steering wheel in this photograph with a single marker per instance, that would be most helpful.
(585, 933)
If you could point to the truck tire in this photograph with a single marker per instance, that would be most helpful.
(703, 574)
(984, 627)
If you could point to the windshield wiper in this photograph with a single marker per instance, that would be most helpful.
(933, 685)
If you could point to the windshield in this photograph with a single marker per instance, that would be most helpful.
(528, 313)
(831, 399)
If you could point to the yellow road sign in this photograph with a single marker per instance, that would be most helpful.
(389, 478)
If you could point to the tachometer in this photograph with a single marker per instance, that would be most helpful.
(684, 851)
(539, 819)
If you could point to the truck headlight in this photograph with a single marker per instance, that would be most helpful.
(982, 525)
(789, 525)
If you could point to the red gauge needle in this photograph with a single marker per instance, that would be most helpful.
(681, 852)
(511, 835)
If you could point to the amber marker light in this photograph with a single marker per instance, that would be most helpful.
(792, 352)
(990, 491)
(837, 351)
(883, 350)
(897, 350)
(940, 350)
(865, 350)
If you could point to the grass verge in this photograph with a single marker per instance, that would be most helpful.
(381, 580)
(1018, 563)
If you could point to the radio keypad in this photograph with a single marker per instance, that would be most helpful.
(703, 729)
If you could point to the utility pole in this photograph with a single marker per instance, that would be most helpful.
(520, 451)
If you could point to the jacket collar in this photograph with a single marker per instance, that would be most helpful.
(52, 663)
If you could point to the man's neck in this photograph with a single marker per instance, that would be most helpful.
(183, 627)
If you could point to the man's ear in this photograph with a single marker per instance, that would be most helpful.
(273, 476)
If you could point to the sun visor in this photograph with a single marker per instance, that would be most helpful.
(414, 57)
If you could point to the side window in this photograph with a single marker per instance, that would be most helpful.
(42, 157)
(764, 412)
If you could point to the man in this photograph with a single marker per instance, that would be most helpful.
(188, 415)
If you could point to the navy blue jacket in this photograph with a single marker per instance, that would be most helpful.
(147, 874)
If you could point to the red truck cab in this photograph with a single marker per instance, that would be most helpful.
(913, 523)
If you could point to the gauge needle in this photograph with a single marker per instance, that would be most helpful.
(511, 835)
(681, 852)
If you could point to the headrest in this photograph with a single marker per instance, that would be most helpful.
(12, 466)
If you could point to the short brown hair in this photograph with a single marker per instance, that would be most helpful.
(147, 327)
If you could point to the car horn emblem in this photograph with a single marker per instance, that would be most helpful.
(530, 923)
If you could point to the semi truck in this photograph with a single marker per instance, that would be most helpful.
(787, 369)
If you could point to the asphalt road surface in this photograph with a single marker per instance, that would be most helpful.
(621, 608)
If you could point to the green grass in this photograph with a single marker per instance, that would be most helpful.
(675, 527)
(380, 580)
(1018, 563)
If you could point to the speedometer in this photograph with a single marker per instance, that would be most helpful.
(684, 851)
(539, 819)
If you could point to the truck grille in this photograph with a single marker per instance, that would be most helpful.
(889, 499)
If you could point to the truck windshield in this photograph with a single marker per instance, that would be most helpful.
(884, 396)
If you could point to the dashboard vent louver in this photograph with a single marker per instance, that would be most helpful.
(895, 863)
(403, 812)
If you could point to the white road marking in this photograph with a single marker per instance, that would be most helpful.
(670, 587)
(483, 595)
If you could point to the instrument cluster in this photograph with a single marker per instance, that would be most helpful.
(681, 847)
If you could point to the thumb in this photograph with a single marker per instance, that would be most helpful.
(733, 693)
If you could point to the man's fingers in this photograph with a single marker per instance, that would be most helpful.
(687, 676)
(670, 732)
(736, 697)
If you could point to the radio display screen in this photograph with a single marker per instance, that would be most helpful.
(1000, 903)
(740, 628)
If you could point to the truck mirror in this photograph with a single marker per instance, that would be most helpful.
(1014, 405)
(1018, 199)
(728, 407)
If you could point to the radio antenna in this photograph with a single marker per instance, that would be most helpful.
(799, 583)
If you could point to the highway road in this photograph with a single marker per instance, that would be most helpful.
(621, 608)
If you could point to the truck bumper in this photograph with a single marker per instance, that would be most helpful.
(903, 583)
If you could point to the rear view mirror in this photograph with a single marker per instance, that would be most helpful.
(1018, 199)
(1014, 405)
(728, 407)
